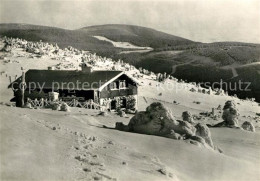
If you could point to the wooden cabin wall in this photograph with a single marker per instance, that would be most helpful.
(132, 90)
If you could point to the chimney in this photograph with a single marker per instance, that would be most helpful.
(86, 68)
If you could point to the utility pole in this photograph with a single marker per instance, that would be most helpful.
(23, 86)
(10, 79)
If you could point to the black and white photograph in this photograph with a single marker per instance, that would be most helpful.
(130, 90)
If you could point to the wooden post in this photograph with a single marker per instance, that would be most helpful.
(74, 103)
(23, 86)
(213, 111)
(10, 79)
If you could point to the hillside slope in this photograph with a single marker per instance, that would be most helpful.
(208, 64)
(62, 37)
(83, 38)
(137, 35)
(182, 58)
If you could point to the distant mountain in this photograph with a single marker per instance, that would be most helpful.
(83, 38)
(62, 37)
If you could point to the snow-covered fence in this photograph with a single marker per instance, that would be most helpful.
(89, 104)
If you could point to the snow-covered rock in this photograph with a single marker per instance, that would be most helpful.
(248, 126)
(203, 131)
(64, 107)
(187, 116)
(230, 114)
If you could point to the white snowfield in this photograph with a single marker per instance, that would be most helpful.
(122, 44)
(42, 144)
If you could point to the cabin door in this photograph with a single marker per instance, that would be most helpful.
(113, 104)
(123, 102)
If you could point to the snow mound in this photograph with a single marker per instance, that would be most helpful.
(158, 120)
(64, 107)
(230, 115)
(203, 131)
(56, 106)
(248, 126)
(187, 116)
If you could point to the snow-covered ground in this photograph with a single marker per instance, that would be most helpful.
(136, 51)
(122, 44)
(236, 65)
(42, 144)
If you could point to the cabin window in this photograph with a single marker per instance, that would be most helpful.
(122, 84)
(113, 85)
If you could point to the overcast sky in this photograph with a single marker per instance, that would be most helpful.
(199, 20)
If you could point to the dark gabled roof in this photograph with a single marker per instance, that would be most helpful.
(49, 79)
